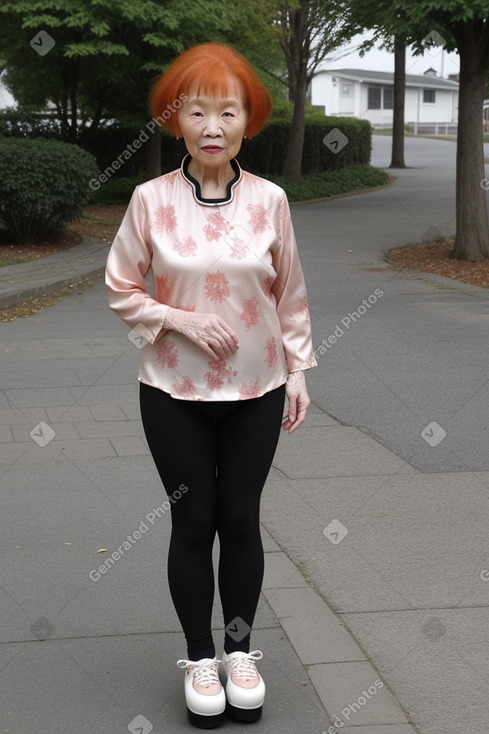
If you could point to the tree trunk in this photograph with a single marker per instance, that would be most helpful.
(74, 101)
(295, 146)
(152, 155)
(397, 160)
(295, 45)
(472, 237)
(64, 107)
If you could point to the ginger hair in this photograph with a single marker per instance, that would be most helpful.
(210, 66)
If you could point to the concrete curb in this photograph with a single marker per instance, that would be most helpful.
(336, 664)
(40, 277)
(32, 279)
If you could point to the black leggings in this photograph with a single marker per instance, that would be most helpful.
(216, 457)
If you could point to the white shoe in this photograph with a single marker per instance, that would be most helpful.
(204, 694)
(245, 689)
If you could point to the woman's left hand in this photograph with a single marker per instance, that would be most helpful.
(298, 401)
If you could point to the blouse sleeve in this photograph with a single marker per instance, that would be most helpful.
(290, 293)
(127, 265)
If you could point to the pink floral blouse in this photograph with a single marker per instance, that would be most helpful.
(236, 257)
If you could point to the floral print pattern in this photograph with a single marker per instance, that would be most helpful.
(304, 306)
(259, 220)
(187, 247)
(236, 259)
(165, 219)
(250, 389)
(164, 289)
(272, 353)
(250, 314)
(167, 354)
(216, 226)
(266, 286)
(216, 286)
(185, 388)
(218, 373)
(238, 238)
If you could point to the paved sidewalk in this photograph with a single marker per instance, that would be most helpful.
(373, 617)
(48, 274)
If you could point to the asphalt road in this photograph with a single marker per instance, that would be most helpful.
(415, 358)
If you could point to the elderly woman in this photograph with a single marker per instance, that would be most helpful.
(227, 335)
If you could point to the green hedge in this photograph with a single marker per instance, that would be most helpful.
(263, 155)
(44, 185)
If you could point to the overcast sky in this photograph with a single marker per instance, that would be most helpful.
(376, 60)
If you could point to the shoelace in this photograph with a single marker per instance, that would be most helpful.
(205, 674)
(245, 667)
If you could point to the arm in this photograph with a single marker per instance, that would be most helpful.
(128, 264)
(293, 313)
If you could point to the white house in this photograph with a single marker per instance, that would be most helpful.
(370, 94)
(6, 99)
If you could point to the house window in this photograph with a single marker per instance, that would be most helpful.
(374, 98)
(388, 98)
(429, 96)
(346, 90)
(380, 98)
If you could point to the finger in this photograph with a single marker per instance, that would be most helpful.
(229, 332)
(229, 339)
(227, 345)
(292, 408)
(213, 353)
(220, 347)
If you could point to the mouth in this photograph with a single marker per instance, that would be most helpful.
(212, 148)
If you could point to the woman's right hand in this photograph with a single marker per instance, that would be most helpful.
(209, 331)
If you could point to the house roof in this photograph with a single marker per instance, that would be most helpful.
(386, 77)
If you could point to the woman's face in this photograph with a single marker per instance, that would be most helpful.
(213, 127)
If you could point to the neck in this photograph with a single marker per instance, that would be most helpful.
(213, 180)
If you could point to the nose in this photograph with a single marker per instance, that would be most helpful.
(213, 128)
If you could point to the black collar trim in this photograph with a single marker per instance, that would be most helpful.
(196, 185)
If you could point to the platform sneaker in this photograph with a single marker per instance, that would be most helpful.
(204, 694)
(245, 689)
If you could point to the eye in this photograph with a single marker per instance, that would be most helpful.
(228, 114)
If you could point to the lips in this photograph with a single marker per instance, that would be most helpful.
(212, 148)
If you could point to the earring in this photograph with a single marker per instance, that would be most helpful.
(245, 137)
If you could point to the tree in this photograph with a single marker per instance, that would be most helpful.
(463, 26)
(107, 54)
(309, 32)
(395, 31)
(397, 156)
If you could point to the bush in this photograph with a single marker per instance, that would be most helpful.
(19, 123)
(43, 186)
(265, 154)
(115, 190)
(333, 183)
